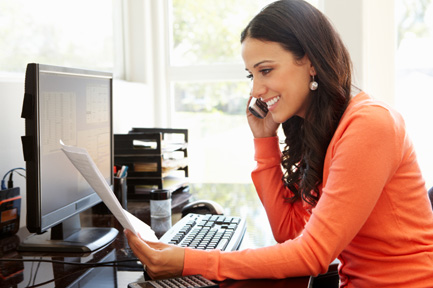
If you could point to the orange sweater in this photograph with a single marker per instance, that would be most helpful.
(373, 214)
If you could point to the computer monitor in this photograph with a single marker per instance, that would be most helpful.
(75, 106)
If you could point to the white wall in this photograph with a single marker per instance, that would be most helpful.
(367, 27)
(145, 45)
(132, 106)
(11, 130)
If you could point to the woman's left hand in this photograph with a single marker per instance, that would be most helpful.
(161, 260)
(261, 128)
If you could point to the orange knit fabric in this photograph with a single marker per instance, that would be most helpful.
(373, 214)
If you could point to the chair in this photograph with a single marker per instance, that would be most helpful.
(328, 280)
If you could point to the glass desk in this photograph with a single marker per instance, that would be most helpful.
(237, 200)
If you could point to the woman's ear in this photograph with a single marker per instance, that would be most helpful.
(312, 70)
(307, 60)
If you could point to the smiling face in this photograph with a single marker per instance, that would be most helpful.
(278, 78)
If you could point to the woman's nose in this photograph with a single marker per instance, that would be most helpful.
(257, 89)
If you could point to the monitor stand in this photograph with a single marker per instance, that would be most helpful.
(69, 236)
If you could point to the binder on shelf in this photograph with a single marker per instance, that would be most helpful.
(156, 157)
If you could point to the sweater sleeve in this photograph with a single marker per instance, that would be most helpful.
(287, 220)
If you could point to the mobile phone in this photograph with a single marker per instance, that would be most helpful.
(258, 108)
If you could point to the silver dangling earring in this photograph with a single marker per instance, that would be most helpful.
(313, 85)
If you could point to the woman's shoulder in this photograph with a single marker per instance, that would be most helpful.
(371, 111)
(366, 117)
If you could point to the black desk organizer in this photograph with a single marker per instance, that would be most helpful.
(145, 151)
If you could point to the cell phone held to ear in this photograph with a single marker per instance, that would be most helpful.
(258, 108)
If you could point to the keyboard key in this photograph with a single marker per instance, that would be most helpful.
(222, 244)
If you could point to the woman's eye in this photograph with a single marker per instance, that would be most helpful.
(262, 71)
(265, 71)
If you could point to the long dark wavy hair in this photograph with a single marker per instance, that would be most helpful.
(302, 29)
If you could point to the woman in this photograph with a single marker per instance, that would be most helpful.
(350, 187)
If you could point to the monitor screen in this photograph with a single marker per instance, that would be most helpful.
(75, 106)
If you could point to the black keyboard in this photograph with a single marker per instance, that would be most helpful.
(207, 232)
(193, 281)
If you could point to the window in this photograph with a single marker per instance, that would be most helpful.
(414, 76)
(209, 88)
(63, 33)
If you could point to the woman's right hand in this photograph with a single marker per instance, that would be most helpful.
(159, 260)
(261, 128)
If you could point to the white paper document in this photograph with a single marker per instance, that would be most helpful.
(81, 159)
